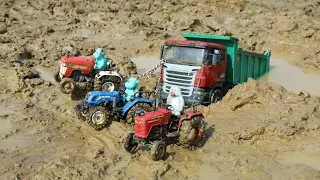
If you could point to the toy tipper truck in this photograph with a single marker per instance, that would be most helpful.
(205, 67)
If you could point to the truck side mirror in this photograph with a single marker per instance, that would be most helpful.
(161, 51)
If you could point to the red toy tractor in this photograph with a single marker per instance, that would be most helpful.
(78, 72)
(154, 128)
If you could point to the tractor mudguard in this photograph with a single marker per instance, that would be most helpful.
(129, 104)
(188, 116)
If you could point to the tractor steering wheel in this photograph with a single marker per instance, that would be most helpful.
(167, 106)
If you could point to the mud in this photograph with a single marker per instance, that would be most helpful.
(259, 130)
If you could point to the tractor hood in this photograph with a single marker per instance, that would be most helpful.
(145, 123)
(96, 97)
(78, 61)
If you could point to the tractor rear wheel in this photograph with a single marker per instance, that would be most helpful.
(67, 85)
(191, 131)
(111, 83)
(129, 144)
(137, 107)
(98, 117)
(158, 150)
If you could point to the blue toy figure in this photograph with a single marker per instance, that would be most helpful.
(131, 88)
(100, 62)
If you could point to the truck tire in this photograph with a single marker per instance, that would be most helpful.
(132, 111)
(67, 85)
(191, 132)
(158, 150)
(111, 83)
(216, 96)
(129, 144)
(98, 117)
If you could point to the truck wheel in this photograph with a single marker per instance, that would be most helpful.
(137, 107)
(158, 150)
(98, 117)
(216, 96)
(191, 131)
(80, 112)
(67, 85)
(129, 144)
(111, 83)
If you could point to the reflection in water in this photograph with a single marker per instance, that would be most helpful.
(45, 75)
(292, 78)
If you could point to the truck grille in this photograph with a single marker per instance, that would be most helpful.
(182, 79)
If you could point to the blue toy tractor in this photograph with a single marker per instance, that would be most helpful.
(100, 107)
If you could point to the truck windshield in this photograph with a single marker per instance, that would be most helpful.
(184, 55)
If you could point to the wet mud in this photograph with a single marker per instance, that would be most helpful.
(260, 130)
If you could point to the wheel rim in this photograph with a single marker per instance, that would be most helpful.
(98, 118)
(68, 86)
(108, 87)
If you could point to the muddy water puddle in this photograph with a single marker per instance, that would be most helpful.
(295, 158)
(45, 75)
(292, 78)
(145, 62)
(4, 111)
(5, 127)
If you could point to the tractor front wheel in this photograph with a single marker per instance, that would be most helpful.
(98, 117)
(158, 150)
(129, 144)
(67, 85)
(81, 114)
(191, 131)
(137, 107)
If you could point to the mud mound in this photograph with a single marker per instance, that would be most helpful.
(260, 110)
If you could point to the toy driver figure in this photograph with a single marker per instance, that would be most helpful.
(100, 62)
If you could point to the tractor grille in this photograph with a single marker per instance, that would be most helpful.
(184, 80)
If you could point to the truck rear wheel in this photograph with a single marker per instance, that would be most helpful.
(137, 107)
(216, 96)
(67, 85)
(98, 117)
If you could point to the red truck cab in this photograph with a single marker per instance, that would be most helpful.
(198, 68)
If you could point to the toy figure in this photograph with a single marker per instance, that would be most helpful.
(176, 100)
(131, 88)
(100, 62)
